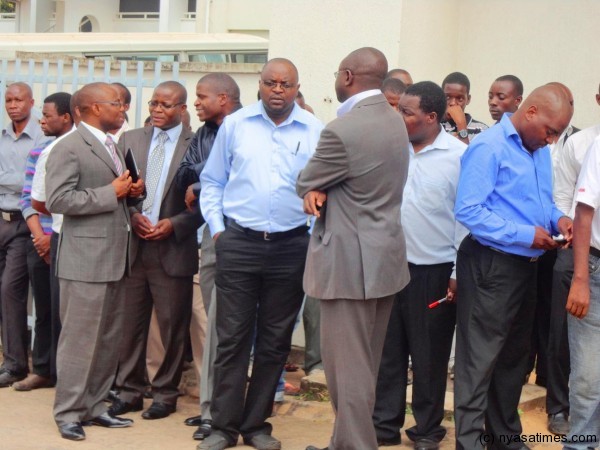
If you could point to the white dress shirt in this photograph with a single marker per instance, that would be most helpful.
(588, 187)
(568, 166)
(432, 233)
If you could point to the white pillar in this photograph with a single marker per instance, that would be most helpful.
(163, 21)
(32, 16)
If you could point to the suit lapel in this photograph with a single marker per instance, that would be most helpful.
(141, 150)
(180, 149)
(99, 149)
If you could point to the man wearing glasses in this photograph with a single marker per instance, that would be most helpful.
(163, 256)
(87, 181)
(261, 236)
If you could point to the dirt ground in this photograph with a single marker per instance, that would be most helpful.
(26, 424)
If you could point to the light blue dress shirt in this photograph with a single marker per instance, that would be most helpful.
(505, 191)
(251, 173)
(170, 144)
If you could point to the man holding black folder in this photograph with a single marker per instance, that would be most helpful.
(163, 255)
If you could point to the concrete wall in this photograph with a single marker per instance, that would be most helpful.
(318, 34)
(104, 12)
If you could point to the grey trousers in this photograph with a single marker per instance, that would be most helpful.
(87, 358)
(353, 333)
(208, 270)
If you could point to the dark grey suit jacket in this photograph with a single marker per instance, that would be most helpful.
(95, 237)
(179, 252)
(357, 249)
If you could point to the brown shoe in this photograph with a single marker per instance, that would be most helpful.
(33, 381)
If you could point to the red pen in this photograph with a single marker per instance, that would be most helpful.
(437, 302)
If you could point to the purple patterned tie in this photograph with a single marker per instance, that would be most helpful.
(113, 152)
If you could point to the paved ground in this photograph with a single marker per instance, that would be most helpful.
(26, 423)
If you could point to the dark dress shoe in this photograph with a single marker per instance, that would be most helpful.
(558, 423)
(113, 395)
(7, 378)
(263, 442)
(426, 444)
(158, 411)
(121, 407)
(193, 421)
(72, 431)
(388, 442)
(312, 447)
(203, 430)
(108, 421)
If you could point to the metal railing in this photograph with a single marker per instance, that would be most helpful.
(138, 15)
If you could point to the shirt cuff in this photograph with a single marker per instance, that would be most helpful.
(525, 235)
(28, 212)
(216, 226)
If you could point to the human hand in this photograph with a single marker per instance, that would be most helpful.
(543, 240)
(141, 225)
(122, 184)
(578, 301)
(162, 230)
(313, 201)
(137, 188)
(190, 198)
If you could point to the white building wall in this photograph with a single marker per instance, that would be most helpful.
(316, 35)
(105, 12)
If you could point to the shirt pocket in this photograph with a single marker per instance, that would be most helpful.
(432, 194)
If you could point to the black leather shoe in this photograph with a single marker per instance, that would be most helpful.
(426, 444)
(388, 442)
(121, 407)
(158, 411)
(312, 447)
(558, 423)
(194, 421)
(203, 430)
(7, 378)
(108, 421)
(72, 431)
(112, 396)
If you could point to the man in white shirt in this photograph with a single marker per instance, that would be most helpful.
(432, 240)
(583, 304)
(567, 159)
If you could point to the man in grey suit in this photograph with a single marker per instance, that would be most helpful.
(86, 181)
(164, 256)
(357, 257)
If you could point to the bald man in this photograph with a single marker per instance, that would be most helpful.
(505, 200)
(356, 261)
(16, 141)
(87, 182)
(402, 75)
(261, 236)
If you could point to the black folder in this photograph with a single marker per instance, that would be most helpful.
(131, 165)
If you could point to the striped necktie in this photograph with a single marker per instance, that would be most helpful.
(113, 153)
(156, 160)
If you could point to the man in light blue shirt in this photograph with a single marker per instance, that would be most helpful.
(504, 199)
(248, 199)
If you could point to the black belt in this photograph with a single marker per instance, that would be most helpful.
(265, 235)
(11, 216)
(529, 259)
(595, 252)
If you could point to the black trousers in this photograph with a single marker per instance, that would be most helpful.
(14, 284)
(541, 324)
(55, 304)
(559, 364)
(426, 335)
(259, 283)
(39, 276)
(495, 311)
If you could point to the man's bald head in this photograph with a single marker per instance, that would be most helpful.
(361, 70)
(100, 106)
(544, 115)
(402, 75)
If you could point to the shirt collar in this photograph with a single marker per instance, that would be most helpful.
(345, 107)
(258, 109)
(172, 133)
(439, 143)
(99, 134)
(29, 130)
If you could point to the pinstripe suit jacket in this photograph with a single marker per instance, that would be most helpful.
(95, 237)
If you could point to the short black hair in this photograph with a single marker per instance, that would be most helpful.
(393, 85)
(457, 78)
(62, 100)
(432, 98)
(518, 84)
(127, 96)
